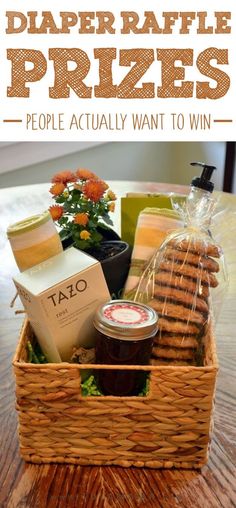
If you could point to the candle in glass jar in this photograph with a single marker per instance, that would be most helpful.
(33, 240)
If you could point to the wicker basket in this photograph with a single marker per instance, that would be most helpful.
(170, 427)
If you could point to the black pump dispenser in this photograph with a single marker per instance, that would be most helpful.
(203, 181)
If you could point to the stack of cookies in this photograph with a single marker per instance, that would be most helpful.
(184, 276)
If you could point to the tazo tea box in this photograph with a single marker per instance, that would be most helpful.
(60, 296)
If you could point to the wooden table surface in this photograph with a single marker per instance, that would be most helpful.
(51, 486)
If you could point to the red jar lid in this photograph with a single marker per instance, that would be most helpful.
(124, 319)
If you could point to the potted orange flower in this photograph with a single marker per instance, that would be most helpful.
(83, 204)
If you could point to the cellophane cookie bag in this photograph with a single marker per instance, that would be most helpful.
(186, 280)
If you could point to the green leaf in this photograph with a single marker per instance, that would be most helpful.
(76, 193)
(60, 199)
(92, 224)
(97, 237)
(69, 207)
(76, 234)
(75, 196)
(63, 221)
(107, 220)
(102, 225)
(64, 233)
(82, 244)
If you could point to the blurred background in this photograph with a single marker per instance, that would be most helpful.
(36, 162)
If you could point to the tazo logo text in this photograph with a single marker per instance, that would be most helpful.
(69, 292)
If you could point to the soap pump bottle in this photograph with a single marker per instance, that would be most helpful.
(196, 211)
(200, 204)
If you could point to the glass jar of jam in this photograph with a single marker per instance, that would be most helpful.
(125, 333)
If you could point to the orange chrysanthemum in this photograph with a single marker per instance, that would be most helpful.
(94, 190)
(105, 185)
(56, 212)
(111, 207)
(64, 177)
(57, 189)
(111, 195)
(84, 235)
(85, 174)
(81, 219)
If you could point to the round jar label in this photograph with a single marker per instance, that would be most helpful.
(126, 314)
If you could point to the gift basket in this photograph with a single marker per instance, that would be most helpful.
(146, 398)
